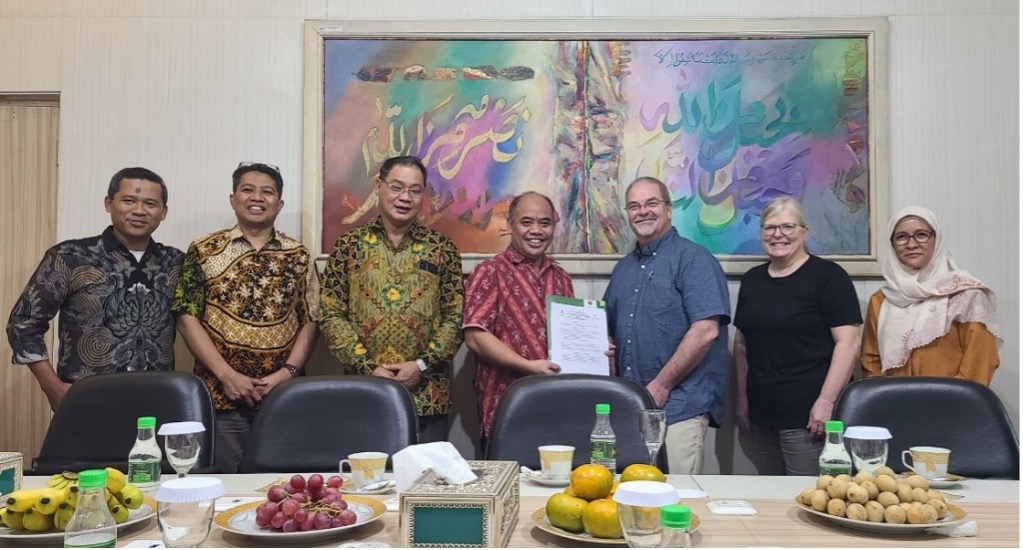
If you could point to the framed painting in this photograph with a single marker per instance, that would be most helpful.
(728, 113)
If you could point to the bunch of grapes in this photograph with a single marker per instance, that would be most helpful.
(302, 505)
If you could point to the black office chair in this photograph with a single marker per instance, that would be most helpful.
(96, 423)
(310, 424)
(559, 410)
(960, 415)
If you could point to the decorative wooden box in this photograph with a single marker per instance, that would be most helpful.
(10, 472)
(480, 514)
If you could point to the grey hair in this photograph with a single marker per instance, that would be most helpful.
(784, 203)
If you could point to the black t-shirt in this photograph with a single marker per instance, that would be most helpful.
(786, 322)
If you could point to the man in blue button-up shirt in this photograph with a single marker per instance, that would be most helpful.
(668, 315)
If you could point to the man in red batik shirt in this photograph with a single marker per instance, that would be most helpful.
(505, 319)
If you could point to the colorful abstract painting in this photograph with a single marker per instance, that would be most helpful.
(727, 124)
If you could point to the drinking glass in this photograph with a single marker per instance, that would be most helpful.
(653, 423)
(868, 446)
(182, 442)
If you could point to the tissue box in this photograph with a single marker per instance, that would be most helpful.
(480, 514)
(10, 473)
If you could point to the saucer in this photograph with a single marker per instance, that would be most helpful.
(545, 481)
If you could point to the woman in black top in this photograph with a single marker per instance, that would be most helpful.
(796, 340)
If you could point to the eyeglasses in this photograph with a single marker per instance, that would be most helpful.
(259, 165)
(650, 204)
(397, 189)
(787, 229)
(921, 237)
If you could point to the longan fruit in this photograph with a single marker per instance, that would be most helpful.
(939, 506)
(905, 493)
(856, 494)
(837, 488)
(886, 498)
(871, 487)
(819, 500)
(920, 495)
(886, 483)
(823, 481)
(925, 513)
(844, 477)
(906, 505)
(895, 514)
(804, 496)
(934, 495)
(885, 471)
(856, 511)
(875, 512)
(836, 507)
(916, 481)
(863, 475)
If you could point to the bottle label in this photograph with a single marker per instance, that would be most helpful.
(834, 470)
(602, 450)
(143, 472)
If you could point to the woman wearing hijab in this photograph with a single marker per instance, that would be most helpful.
(797, 332)
(930, 318)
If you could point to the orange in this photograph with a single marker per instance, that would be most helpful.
(642, 472)
(601, 519)
(566, 512)
(591, 481)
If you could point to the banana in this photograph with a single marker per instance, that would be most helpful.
(112, 500)
(58, 481)
(34, 521)
(22, 500)
(11, 519)
(71, 495)
(130, 496)
(63, 516)
(48, 500)
(120, 513)
(115, 479)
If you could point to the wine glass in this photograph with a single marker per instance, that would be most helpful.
(653, 423)
(182, 442)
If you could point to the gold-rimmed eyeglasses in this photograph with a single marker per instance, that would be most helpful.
(398, 189)
(650, 204)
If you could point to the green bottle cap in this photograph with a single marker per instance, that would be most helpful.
(92, 479)
(147, 422)
(675, 516)
(833, 426)
(603, 408)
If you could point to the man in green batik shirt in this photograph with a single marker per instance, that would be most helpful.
(391, 303)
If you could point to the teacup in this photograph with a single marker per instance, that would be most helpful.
(367, 467)
(930, 462)
(556, 461)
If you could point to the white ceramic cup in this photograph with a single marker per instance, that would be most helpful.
(930, 462)
(367, 467)
(556, 461)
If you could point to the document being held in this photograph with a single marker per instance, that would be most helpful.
(577, 335)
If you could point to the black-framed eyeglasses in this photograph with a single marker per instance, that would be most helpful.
(787, 229)
(650, 205)
(259, 165)
(398, 189)
(921, 237)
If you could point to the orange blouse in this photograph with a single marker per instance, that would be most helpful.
(967, 351)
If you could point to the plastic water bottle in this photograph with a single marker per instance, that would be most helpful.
(834, 458)
(92, 525)
(675, 527)
(602, 440)
(144, 458)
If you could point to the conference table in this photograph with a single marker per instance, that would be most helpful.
(779, 522)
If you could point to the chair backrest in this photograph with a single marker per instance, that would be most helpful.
(559, 410)
(96, 423)
(309, 424)
(960, 415)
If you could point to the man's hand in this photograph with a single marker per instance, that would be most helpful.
(52, 386)
(543, 366)
(610, 353)
(659, 394)
(820, 412)
(238, 387)
(407, 373)
(271, 381)
(742, 412)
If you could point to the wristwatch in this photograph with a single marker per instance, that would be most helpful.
(422, 365)
(293, 370)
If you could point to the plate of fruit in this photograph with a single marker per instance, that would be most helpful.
(880, 502)
(40, 515)
(301, 510)
(584, 511)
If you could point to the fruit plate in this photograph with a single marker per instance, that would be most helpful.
(142, 513)
(348, 488)
(539, 518)
(954, 516)
(242, 520)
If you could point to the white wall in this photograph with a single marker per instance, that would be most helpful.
(191, 87)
